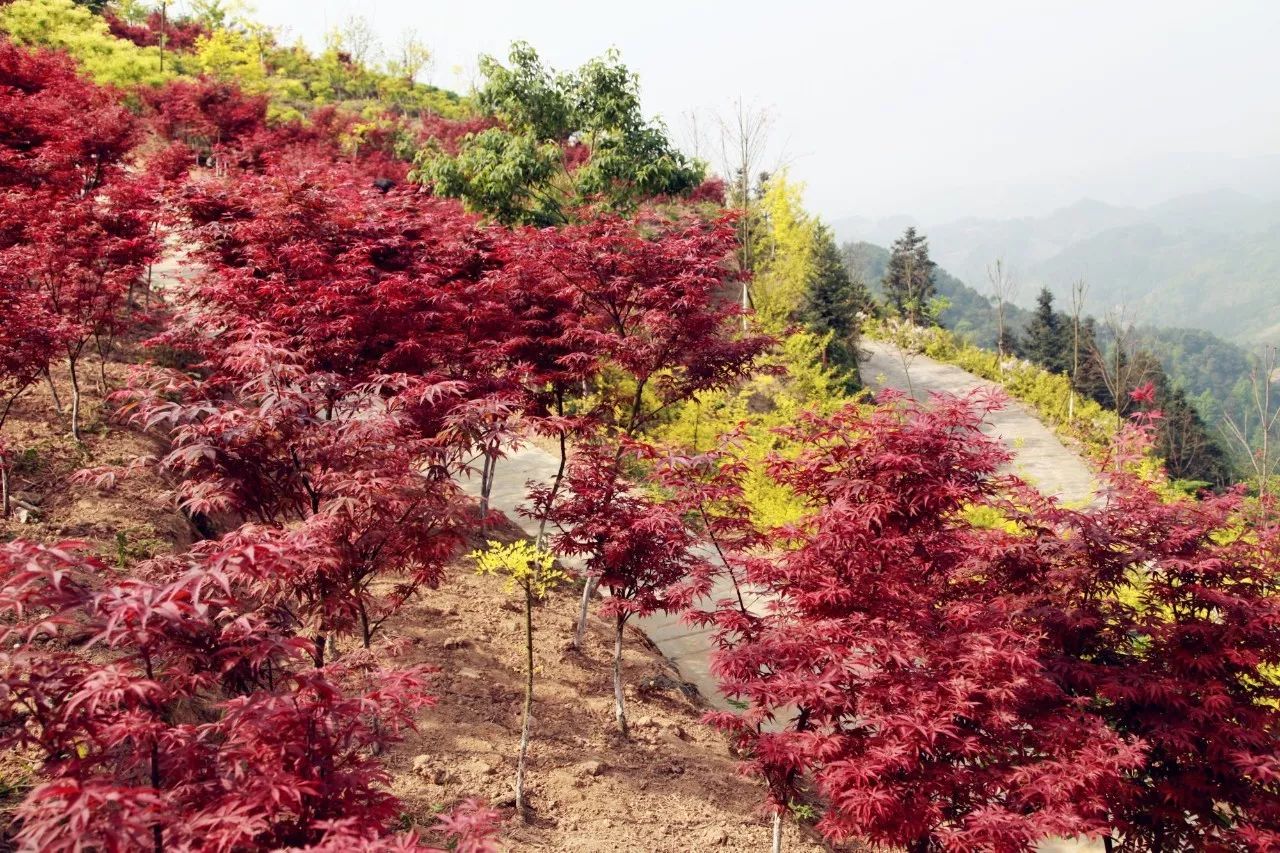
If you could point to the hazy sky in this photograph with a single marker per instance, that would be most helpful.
(933, 109)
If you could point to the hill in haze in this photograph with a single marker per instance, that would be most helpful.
(1208, 260)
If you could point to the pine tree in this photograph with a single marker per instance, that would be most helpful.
(908, 280)
(832, 302)
(1048, 336)
(1090, 380)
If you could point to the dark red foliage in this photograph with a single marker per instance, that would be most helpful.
(1168, 622)
(359, 282)
(205, 113)
(898, 663)
(449, 133)
(711, 191)
(645, 298)
(707, 490)
(75, 229)
(82, 256)
(179, 34)
(337, 469)
(173, 714)
(59, 134)
(637, 547)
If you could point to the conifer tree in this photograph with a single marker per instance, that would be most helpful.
(1182, 439)
(1090, 380)
(1048, 336)
(909, 279)
(832, 303)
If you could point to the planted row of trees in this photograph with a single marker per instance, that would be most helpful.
(78, 229)
(199, 699)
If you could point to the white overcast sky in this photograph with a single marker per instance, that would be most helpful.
(928, 108)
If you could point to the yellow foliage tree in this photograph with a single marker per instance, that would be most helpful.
(64, 25)
(785, 253)
(531, 569)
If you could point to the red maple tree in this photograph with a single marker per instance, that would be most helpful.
(899, 666)
(175, 713)
(1165, 619)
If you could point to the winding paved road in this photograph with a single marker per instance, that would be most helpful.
(1038, 456)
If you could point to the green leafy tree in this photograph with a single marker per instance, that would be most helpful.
(567, 138)
(505, 175)
(908, 280)
(1047, 339)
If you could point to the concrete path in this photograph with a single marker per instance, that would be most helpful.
(688, 647)
(1039, 456)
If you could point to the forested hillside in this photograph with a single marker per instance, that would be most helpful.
(266, 311)
(1213, 374)
(1207, 261)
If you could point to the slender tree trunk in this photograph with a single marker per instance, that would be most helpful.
(906, 370)
(747, 261)
(1108, 844)
(75, 399)
(104, 352)
(319, 653)
(486, 482)
(584, 609)
(555, 489)
(366, 633)
(164, 21)
(157, 831)
(53, 392)
(528, 699)
(619, 700)
(776, 846)
(4, 488)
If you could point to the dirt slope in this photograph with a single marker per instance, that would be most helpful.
(673, 787)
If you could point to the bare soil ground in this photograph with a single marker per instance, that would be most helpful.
(674, 786)
(135, 521)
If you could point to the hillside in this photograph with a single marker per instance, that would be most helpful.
(1208, 260)
(1211, 370)
(363, 444)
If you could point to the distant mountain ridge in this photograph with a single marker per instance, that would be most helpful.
(1209, 260)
